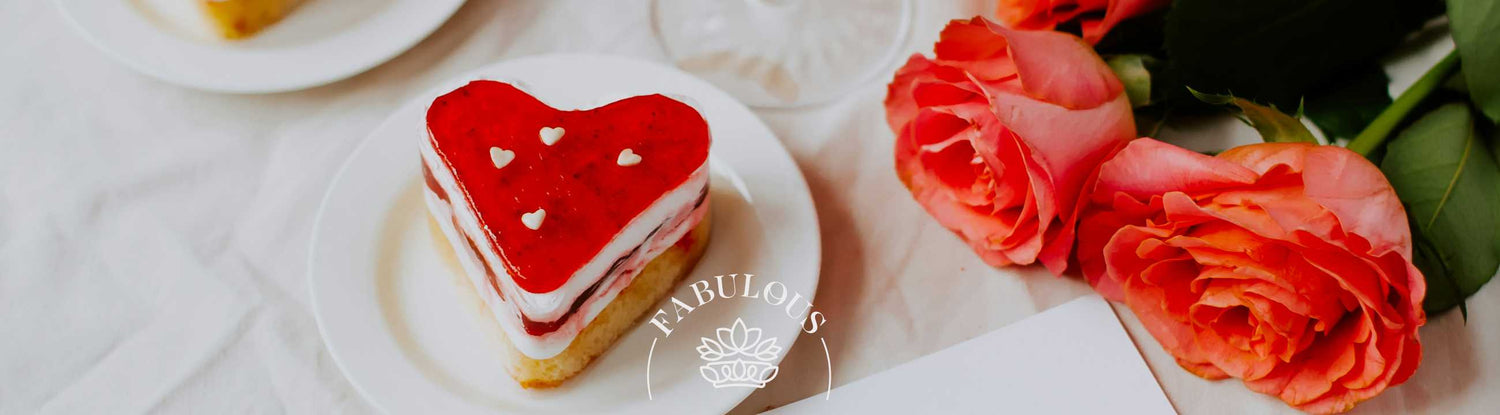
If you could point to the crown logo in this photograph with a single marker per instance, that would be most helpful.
(739, 358)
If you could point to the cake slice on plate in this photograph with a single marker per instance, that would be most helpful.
(569, 224)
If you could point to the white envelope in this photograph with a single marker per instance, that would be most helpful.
(1072, 359)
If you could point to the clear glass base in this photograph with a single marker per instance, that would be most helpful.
(783, 53)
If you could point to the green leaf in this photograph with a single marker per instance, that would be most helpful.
(1476, 28)
(1495, 145)
(1273, 126)
(1442, 172)
(1346, 106)
(1131, 69)
(1440, 291)
(1456, 83)
(1278, 51)
(1495, 151)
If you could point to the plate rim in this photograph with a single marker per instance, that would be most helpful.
(315, 304)
(337, 71)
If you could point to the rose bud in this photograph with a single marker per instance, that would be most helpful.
(997, 136)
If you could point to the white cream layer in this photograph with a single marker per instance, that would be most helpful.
(674, 213)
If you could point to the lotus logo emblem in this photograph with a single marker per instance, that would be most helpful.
(739, 357)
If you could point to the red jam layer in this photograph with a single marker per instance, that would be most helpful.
(588, 197)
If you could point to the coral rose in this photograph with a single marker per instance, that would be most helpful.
(1285, 265)
(997, 136)
(1094, 17)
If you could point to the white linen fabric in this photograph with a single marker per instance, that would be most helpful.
(153, 239)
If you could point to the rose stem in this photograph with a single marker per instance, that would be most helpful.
(1379, 129)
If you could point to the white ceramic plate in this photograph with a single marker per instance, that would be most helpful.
(411, 333)
(320, 42)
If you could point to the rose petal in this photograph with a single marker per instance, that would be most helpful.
(1147, 167)
(1341, 181)
(1060, 68)
(976, 48)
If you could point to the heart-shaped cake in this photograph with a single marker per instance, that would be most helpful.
(560, 217)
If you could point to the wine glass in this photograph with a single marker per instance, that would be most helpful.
(783, 53)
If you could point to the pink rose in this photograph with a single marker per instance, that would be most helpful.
(997, 136)
(1285, 265)
(1094, 17)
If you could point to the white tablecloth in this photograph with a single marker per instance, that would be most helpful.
(153, 238)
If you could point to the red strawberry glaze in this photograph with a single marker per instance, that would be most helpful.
(587, 196)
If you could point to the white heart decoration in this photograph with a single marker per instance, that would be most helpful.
(533, 220)
(628, 158)
(550, 135)
(501, 157)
